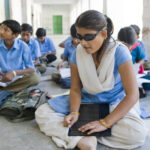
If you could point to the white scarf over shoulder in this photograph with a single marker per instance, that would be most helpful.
(101, 79)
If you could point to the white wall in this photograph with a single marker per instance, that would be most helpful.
(48, 11)
(146, 25)
(124, 13)
(15, 10)
(96, 5)
(83, 5)
(2, 11)
(36, 17)
(26, 11)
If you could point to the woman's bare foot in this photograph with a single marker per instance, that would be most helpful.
(87, 143)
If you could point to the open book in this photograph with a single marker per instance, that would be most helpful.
(4, 84)
(88, 113)
(64, 72)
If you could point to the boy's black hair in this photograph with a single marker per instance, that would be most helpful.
(127, 35)
(26, 27)
(136, 28)
(73, 31)
(40, 32)
(13, 25)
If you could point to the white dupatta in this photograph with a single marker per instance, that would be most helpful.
(100, 80)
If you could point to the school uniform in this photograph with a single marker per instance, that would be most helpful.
(47, 47)
(69, 49)
(129, 132)
(17, 58)
(34, 48)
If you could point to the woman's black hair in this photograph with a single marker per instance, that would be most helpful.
(27, 27)
(95, 20)
(40, 32)
(73, 31)
(127, 35)
(13, 25)
(136, 28)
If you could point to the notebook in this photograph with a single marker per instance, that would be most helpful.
(88, 113)
(4, 84)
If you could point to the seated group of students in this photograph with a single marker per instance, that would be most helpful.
(20, 56)
(113, 82)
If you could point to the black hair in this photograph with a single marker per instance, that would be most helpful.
(136, 28)
(26, 27)
(40, 32)
(127, 35)
(73, 31)
(95, 20)
(13, 25)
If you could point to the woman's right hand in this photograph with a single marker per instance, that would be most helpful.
(70, 119)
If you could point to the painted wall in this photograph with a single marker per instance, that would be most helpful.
(15, 10)
(124, 13)
(26, 11)
(48, 11)
(2, 11)
(36, 17)
(146, 25)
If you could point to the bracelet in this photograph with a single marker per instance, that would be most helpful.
(103, 123)
(14, 73)
(74, 112)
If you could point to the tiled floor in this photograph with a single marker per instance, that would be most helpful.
(27, 136)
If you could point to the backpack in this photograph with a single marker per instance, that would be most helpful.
(22, 105)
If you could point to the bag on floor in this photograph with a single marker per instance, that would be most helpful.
(22, 105)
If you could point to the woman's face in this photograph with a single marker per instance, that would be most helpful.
(91, 46)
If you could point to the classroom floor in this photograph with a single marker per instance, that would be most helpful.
(27, 136)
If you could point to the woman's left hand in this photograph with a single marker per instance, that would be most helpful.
(92, 127)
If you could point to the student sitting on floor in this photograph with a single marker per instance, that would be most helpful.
(26, 33)
(15, 58)
(47, 47)
(70, 47)
(128, 37)
(63, 43)
(142, 44)
(137, 44)
(101, 72)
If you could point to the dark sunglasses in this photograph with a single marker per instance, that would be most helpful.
(89, 37)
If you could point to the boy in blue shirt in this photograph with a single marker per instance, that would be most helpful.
(70, 47)
(26, 33)
(15, 58)
(47, 47)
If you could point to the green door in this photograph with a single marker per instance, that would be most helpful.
(57, 24)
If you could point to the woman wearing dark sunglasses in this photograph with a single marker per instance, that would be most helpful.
(101, 72)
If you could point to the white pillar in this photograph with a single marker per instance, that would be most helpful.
(146, 25)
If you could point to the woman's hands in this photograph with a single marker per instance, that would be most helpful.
(92, 127)
(70, 119)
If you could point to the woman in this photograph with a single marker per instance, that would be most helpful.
(101, 72)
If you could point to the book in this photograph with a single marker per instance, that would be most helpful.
(4, 84)
(65, 72)
(88, 113)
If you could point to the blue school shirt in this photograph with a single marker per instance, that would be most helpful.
(61, 104)
(17, 58)
(137, 54)
(68, 40)
(144, 49)
(34, 48)
(69, 49)
(46, 46)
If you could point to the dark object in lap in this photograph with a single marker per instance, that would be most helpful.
(88, 113)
